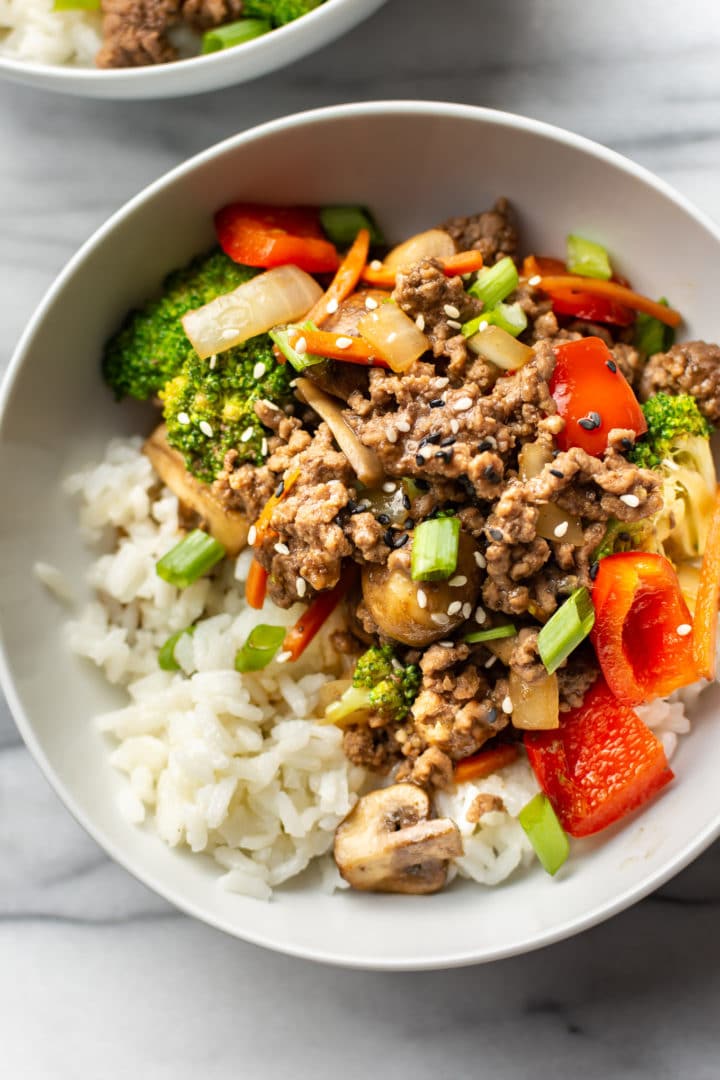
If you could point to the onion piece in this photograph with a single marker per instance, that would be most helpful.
(532, 459)
(536, 706)
(281, 295)
(500, 348)
(394, 335)
(433, 244)
(329, 692)
(365, 462)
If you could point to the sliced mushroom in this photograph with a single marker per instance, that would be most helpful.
(228, 527)
(389, 843)
(365, 462)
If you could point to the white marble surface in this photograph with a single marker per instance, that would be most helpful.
(99, 978)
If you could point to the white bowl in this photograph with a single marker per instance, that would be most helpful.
(415, 163)
(198, 74)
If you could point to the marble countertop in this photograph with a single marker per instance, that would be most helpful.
(98, 977)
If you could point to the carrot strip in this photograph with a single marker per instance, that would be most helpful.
(537, 265)
(465, 262)
(485, 763)
(708, 596)
(301, 634)
(345, 280)
(256, 585)
(321, 343)
(262, 525)
(614, 291)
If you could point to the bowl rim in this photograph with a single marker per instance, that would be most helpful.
(432, 110)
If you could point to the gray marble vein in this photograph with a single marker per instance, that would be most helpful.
(99, 977)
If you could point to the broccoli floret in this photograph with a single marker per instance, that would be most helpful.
(151, 346)
(381, 684)
(626, 536)
(279, 12)
(672, 422)
(208, 406)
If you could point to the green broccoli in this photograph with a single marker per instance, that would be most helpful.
(208, 406)
(381, 684)
(279, 12)
(626, 536)
(151, 346)
(674, 425)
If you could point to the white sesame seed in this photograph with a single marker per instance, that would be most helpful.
(684, 629)
(370, 303)
(462, 404)
(507, 705)
(331, 306)
(454, 324)
(630, 500)
(483, 325)
(213, 362)
(454, 607)
(490, 662)
(535, 280)
(270, 404)
(282, 549)
(206, 429)
(446, 644)
(252, 535)
(480, 616)
(376, 264)
(183, 418)
(283, 657)
(389, 486)
(440, 384)
(343, 342)
(247, 434)
(451, 311)
(454, 426)
(479, 560)
(467, 610)
(424, 453)
(300, 346)
(420, 322)
(421, 598)
(264, 447)
(300, 586)
(402, 425)
(439, 618)
(396, 665)
(457, 581)
(391, 435)
(561, 529)
(259, 370)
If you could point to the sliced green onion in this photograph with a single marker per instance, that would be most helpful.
(652, 336)
(342, 224)
(236, 33)
(494, 283)
(545, 833)
(493, 633)
(166, 656)
(281, 336)
(76, 5)
(509, 317)
(566, 629)
(435, 549)
(190, 559)
(588, 259)
(260, 648)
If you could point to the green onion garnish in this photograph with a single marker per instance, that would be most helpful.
(435, 549)
(261, 646)
(190, 559)
(236, 33)
(587, 258)
(300, 361)
(76, 5)
(166, 656)
(652, 336)
(493, 633)
(509, 317)
(566, 629)
(494, 283)
(545, 833)
(342, 224)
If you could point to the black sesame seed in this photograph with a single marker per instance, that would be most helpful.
(556, 452)
(448, 440)
(401, 540)
(359, 508)
(422, 484)
(444, 455)
(491, 474)
(350, 505)
(383, 519)
(437, 403)
(590, 422)
(594, 570)
(624, 537)
(279, 489)
(419, 460)
(556, 472)
(389, 538)
(406, 502)
(492, 716)
(408, 523)
(611, 365)
(434, 438)
(627, 444)
(485, 445)
(496, 534)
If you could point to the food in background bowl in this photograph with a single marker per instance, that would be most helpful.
(474, 565)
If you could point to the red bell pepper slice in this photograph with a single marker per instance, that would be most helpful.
(268, 236)
(583, 305)
(599, 765)
(643, 629)
(592, 396)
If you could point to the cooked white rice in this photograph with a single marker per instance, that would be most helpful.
(235, 765)
(30, 30)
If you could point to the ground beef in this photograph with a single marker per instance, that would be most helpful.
(629, 361)
(432, 770)
(482, 804)
(439, 306)
(576, 677)
(692, 368)
(373, 748)
(525, 658)
(493, 232)
(135, 32)
(204, 14)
